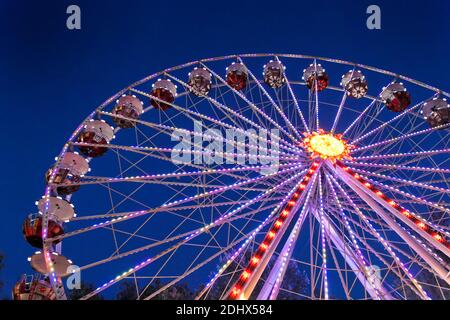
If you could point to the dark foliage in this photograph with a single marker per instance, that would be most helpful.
(85, 288)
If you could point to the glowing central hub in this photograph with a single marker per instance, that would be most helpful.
(326, 145)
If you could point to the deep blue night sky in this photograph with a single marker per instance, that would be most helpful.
(51, 78)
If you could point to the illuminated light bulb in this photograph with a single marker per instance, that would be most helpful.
(245, 275)
(406, 213)
(367, 184)
(438, 237)
(271, 235)
(302, 186)
(421, 225)
(392, 203)
(264, 247)
(379, 193)
(255, 260)
(278, 223)
(291, 203)
(284, 213)
(236, 291)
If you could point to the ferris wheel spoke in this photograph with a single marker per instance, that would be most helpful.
(272, 285)
(194, 184)
(188, 236)
(398, 167)
(219, 221)
(247, 281)
(295, 100)
(277, 107)
(403, 154)
(403, 181)
(180, 167)
(365, 240)
(410, 196)
(173, 206)
(316, 110)
(384, 243)
(370, 235)
(169, 130)
(285, 199)
(236, 126)
(404, 275)
(338, 114)
(389, 122)
(360, 264)
(188, 270)
(411, 241)
(149, 150)
(370, 118)
(229, 112)
(359, 117)
(218, 105)
(254, 108)
(322, 237)
(154, 178)
(432, 233)
(356, 267)
(399, 138)
(246, 237)
(192, 267)
(171, 238)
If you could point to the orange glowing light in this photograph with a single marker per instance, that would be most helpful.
(406, 213)
(438, 237)
(236, 291)
(321, 144)
(421, 225)
(392, 203)
(255, 260)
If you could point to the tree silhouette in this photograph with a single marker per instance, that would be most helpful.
(179, 291)
(85, 288)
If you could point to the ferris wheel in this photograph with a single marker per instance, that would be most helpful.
(228, 173)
